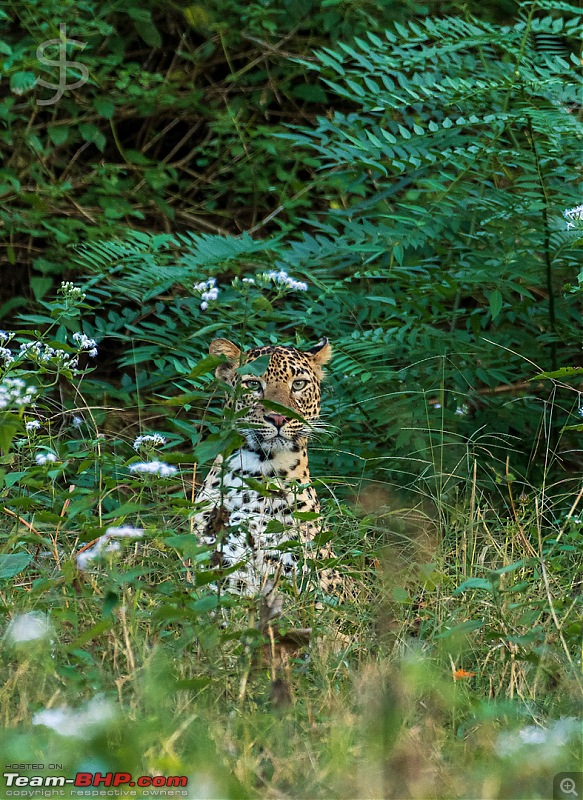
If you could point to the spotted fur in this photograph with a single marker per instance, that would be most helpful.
(249, 500)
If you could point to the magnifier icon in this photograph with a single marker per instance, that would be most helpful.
(567, 786)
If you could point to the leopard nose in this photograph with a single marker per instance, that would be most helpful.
(276, 419)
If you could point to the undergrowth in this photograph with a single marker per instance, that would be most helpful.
(457, 672)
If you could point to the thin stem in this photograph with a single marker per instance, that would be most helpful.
(546, 244)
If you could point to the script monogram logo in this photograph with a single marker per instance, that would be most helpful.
(62, 64)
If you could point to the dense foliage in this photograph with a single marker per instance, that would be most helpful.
(439, 267)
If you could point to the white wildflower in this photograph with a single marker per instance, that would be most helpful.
(573, 216)
(207, 787)
(574, 213)
(83, 342)
(248, 280)
(107, 544)
(6, 356)
(208, 291)
(15, 392)
(282, 278)
(77, 421)
(31, 348)
(153, 468)
(71, 292)
(45, 458)
(125, 531)
(203, 286)
(32, 425)
(437, 405)
(542, 743)
(101, 547)
(4, 336)
(81, 723)
(28, 627)
(44, 354)
(533, 735)
(149, 440)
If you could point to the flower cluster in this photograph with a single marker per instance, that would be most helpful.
(4, 337)
(208, 291)
(71, 292)
(284, 280)
(149, 441)
(542, 743)
(32, 425)
(153, 468)
(573, 216)
(81, 723)
(45, 458)
(44, 354)
(83, 342)
(6, 356)
(28, 627)
(107, 544)
(15, 392)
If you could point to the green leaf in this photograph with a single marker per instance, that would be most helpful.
(91, 633)
(564, 372)
(22, 82)
(91, 133)
(207, 603)
(40, 286)
(204, 366)
(124, 510)
(400, 595)
(13, 477)
(271, 405)
(496, 302)
(58, 134)
(474, 583)
(256, 367)
(104, 107)
(512, 567)
(215, 445)
(312, 93)
(464, 627)
(13, 563)
(149, 33)
(9, 426)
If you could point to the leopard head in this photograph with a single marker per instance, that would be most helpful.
(292, 379)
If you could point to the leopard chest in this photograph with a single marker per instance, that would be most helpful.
(250, 511)
(252, 505)
(258, 524)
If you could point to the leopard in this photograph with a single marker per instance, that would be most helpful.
(258, 507)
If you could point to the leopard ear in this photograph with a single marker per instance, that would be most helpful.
(321, 353)
(223, 347)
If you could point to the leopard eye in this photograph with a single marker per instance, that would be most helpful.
(297, 386)
(253, 386)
